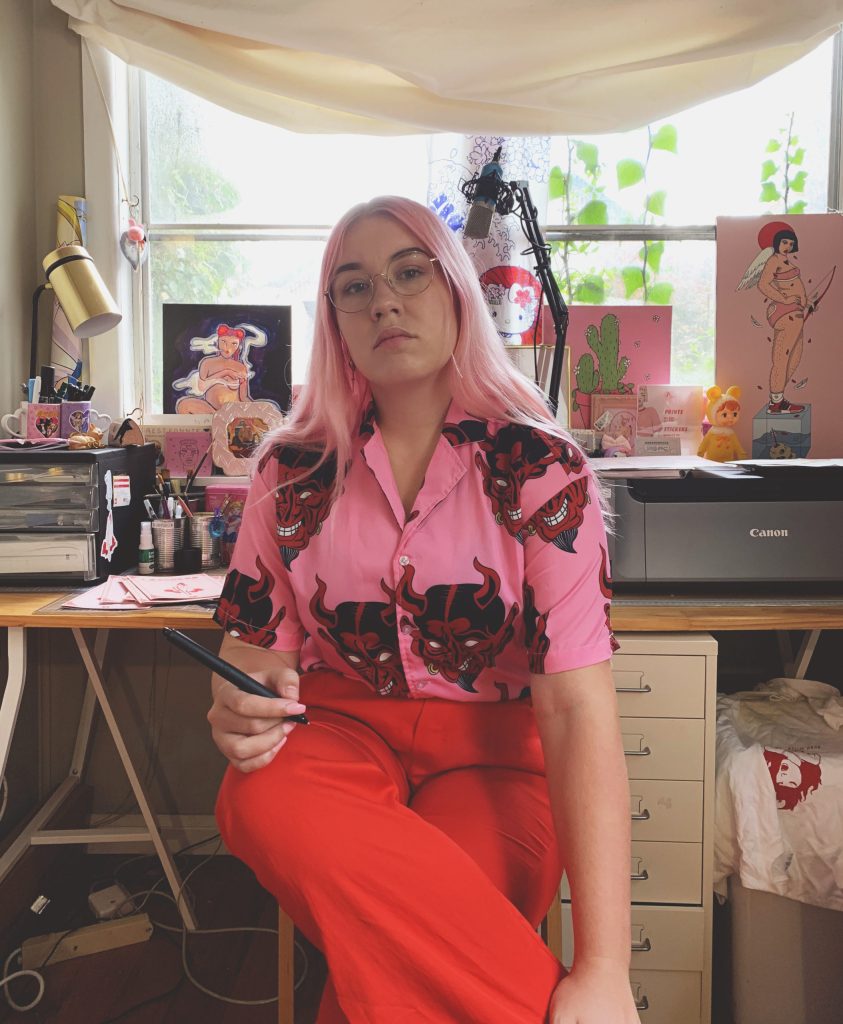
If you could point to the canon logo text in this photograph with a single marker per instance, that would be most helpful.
(755, 532)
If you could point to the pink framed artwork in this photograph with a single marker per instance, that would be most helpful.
(237, 430)
(779, 303)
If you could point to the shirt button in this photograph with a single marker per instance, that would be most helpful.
(403, 560)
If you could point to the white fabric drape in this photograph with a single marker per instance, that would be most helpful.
(478, 66)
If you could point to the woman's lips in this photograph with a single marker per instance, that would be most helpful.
(393, 334)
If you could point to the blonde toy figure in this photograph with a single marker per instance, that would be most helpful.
(721, 443)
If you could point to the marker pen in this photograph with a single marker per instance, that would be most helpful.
(224, 668)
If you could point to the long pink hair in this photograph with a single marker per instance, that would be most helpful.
(327, 412)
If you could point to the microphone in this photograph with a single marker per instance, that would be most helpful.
(487, 190)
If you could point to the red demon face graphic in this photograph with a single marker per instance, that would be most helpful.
(795, 776)
(535, 636)
(364, 635)
(559, 520)
(302, 506)
(459, 629)
(517, 454)
(606, 591)
(247, 604)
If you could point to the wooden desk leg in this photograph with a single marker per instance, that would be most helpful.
(167, 861)
(13, 693)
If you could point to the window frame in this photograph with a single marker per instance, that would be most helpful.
(138, 170)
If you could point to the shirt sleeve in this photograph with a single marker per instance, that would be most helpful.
(567, 583)
(258, 603)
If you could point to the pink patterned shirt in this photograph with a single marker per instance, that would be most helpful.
(500, 569)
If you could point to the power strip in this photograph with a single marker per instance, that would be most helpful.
(111, 902)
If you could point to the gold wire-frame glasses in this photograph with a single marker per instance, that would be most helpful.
(407, 273)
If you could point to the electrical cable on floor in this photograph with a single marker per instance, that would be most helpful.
(132, 899)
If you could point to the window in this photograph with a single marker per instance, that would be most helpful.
(238, 211)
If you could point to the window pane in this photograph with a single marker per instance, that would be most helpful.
(266, 273)
(710, 161)
(685, 276)
(209, 165)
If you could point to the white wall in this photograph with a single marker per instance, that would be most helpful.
(17, 199)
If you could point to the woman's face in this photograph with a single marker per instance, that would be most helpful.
(228, 345)
(786, 245)
(396, 339)
(789, 774)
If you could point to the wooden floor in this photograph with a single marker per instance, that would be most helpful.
(145, 982)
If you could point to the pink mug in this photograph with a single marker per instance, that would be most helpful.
(43, 419)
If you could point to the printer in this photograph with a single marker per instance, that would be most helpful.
(71, 516)
(744, 523)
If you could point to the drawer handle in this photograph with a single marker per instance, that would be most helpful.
(642, 876)
(641, 947)
(643, 816)
(646, 688)
(637, 753)
(644, 1004)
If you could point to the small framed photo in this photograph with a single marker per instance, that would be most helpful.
(236, 431)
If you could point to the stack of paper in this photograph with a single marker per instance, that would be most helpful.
(144, 591)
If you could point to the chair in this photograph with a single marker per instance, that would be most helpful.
(550, 929)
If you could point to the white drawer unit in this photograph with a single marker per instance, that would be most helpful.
(666, 810)
(664, 748)
(666, 685)
(663, 873)
(667, 997)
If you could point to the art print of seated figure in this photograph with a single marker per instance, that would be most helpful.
(223, 373)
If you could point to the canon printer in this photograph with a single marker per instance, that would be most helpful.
(745, 523)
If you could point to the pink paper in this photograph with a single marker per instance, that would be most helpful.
(644, 333)
(788, 347)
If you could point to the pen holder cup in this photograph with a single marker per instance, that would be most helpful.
(167, 539)
(202, 538)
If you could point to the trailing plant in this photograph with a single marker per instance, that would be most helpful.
(643, 278)
(583, 167)
(779, 179)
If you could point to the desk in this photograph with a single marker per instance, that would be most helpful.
(20, 611)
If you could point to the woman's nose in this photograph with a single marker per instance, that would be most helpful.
(383, 295)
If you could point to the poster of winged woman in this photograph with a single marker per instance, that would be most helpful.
(779, 301)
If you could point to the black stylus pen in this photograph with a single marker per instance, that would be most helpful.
(224, 668)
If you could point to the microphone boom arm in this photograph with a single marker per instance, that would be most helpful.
(558, 310)
(510, 193)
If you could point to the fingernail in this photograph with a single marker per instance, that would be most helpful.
(291, 691)
(296, 709)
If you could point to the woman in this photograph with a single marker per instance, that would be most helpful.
(776, 274)
(422, 566)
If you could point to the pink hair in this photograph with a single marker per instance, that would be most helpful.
(327, 412)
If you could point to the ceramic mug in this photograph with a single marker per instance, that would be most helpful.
(43, 419)
(14, 423)
(76, 417)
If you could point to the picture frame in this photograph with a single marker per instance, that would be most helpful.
(236, 431)
(214, 354)
(184, 450)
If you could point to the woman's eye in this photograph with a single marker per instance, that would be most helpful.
(355, 287)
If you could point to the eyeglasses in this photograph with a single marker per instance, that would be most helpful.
(408, 273)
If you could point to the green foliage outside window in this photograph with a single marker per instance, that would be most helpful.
(782, 174)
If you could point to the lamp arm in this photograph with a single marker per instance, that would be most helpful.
(33, 341)
(558, 310)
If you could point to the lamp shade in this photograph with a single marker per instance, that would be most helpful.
(81, 292)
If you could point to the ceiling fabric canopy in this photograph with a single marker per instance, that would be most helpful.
(389, 67)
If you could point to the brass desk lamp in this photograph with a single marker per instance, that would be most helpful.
(81, 293)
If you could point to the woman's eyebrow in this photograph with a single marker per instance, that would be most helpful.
(401, 252)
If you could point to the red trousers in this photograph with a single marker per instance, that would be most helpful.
(412, 842)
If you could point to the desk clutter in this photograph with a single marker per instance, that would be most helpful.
(133, 592)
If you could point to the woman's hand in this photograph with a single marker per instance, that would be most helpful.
(595, 992)
(250, 730)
